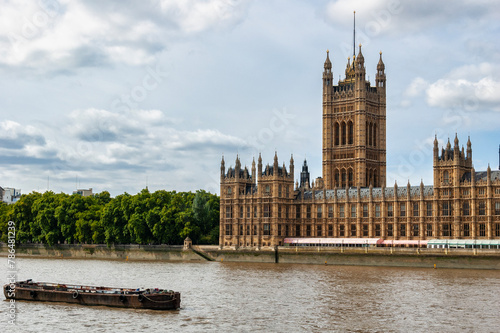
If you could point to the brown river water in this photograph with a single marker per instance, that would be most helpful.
(248, 297)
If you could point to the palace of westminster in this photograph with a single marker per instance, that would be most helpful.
(263, 207)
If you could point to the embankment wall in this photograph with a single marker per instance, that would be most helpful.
(395, 257)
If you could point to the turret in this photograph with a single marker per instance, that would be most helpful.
(380, 77)
(259, 166)
(237, 167)
(456, 150)
(222, 168)
(291, 167)
(254, 178)
(304, 176)
(469, 149)
(436, 150)
(327, 73)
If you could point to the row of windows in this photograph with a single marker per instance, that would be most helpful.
(465, 192)
(283, 191)
(446, 210)
(345, 230)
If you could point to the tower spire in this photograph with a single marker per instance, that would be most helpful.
(354, 37)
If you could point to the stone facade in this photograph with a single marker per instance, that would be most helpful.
(262, 207)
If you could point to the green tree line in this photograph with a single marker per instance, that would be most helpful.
(161, 217)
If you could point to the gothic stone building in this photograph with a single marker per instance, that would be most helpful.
(262, 207)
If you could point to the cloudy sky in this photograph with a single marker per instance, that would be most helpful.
(117, 95)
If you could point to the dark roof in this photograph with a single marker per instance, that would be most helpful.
(365, 192)
(482, 175)
(269, 170)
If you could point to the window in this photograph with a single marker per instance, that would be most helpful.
(446, 208)
(229, 190)
(341, 210)
(279, 191)
(415, 230)
(287, 191)
(390, 230)
(267, 229)
(377, 230)
(365, 230)
(497, 229)
(229, 230)
(377, 210)
(241, 230)
(481, 191)
(248, 212)
(287, 231)
(330, 230)
(429, 209)
(341, 230)
(248, 230)
(279, 229)
(466, 230)
(255, 230)
(279, 211)
(330, 211)
(466, 209)
(402, 210)
(267, 212)
(320, 213)
(446, 229)
(446, 177)
(241, 212)
(365, 210)
(308, 230)
(353, 210)
(402, 230)
(353, 230)
(465, 192)
(497, 208)
(286, 212)
(390, 213)
(482, 229)
(297, 212)
(415, 209)
(268, 189)
(297, 230)
(429, 230)
(308, 211)
(319, 230)
(497, 191)
(228, 212)
(255, 211)
(482, 208)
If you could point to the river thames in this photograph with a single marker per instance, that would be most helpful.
(247, 297)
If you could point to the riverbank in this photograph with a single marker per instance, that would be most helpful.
(391, 257)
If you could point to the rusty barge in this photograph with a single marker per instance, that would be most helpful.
(155, 299)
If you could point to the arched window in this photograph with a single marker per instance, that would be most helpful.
(343, 133)
(370, 134)
(337, 134)
(344, 178)
(366, 136)
(337, 178)
(351, 132)
(351, 178)
(446, 177)
(374, 135)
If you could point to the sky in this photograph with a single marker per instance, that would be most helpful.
(120, 95)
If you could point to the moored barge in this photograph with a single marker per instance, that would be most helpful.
(156, 299)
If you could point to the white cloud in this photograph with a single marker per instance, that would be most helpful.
(471, 87)
(416, 87)
(51, 35)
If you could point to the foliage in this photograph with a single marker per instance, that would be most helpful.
(161, 217)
